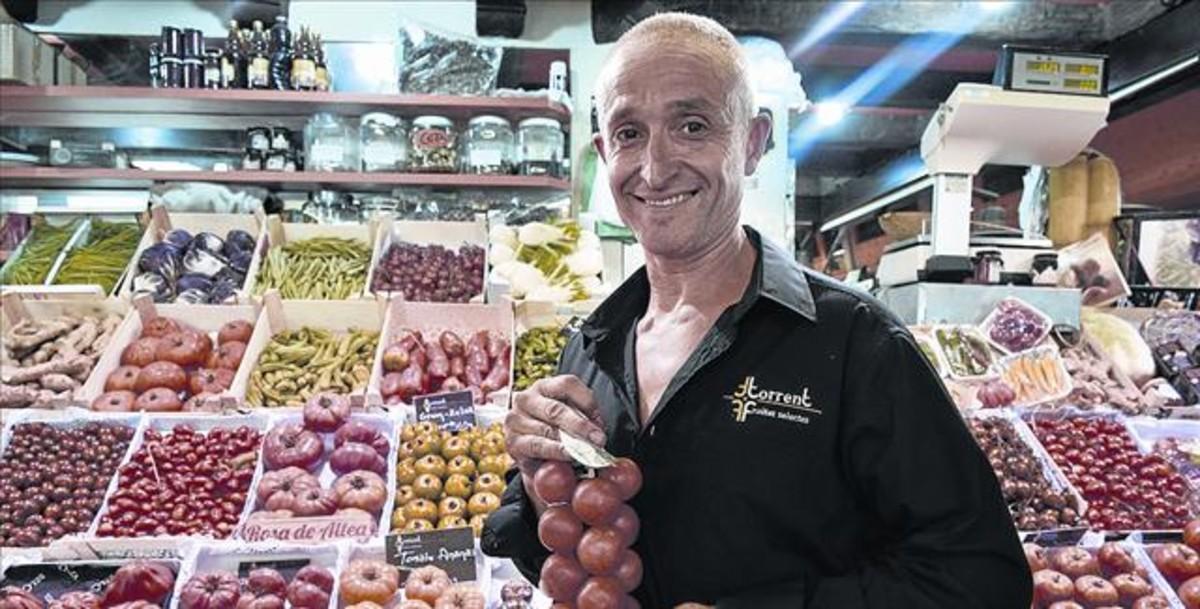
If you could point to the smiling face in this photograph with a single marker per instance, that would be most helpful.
(676, 142)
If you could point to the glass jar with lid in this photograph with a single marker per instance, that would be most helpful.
(433, 145)
(488, 146)
(540, 144)
(384, 142)
(330, 144)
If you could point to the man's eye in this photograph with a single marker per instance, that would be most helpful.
(626, 134)
(694, 127)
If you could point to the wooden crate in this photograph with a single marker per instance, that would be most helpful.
(18, 306)
(448, 234)
(162, 222)
(431, 319)
(206, 318)
(277, 233)
(280, 315)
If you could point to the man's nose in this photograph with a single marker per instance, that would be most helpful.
(658, 161)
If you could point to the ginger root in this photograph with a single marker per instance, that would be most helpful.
(70, 367)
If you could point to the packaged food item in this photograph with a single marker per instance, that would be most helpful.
(330, 144)
(384, 142)
(434, 145)
(540, 144)
(965, 352)
(1035, 376)
(488, 146)
(1015, 326)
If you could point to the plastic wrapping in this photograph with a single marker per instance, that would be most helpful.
(439, 63)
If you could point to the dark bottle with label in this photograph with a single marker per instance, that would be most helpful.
(304, 63)
(170, 46)
(258, 62)
(193, 59)
(324, 79)
(281, 54)
(233, 61)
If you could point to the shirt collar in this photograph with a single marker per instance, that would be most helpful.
(777, 277)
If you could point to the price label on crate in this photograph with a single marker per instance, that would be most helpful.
(452, 550)
(451, 411)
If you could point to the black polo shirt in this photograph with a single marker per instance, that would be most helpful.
(805, 456)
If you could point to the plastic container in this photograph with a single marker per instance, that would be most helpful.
(540, 144)
(488, 146)
(384, 142)
(330, 144)
(434, 145)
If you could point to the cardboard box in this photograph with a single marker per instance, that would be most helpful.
(24, 58)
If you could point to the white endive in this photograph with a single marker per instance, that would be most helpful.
(505, 269)
(538, 233)
(585, 263)
(549, 293)
(588, 241)
(499, 253)
(524, 278)
(503, 234)
(592, 284)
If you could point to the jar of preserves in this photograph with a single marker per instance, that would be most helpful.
(488, 146)
(330, 144)
(433, 145)
(384, 142)
(540, 144)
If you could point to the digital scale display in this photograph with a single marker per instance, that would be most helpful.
(1024, 69)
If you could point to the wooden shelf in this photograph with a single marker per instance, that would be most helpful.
(120, 107)
(70, 177)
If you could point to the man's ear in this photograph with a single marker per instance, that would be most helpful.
(598, 142)
(756, 143)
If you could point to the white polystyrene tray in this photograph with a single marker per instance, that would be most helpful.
(163, 423)
(385, 423)
(75, 417)
(229, 554)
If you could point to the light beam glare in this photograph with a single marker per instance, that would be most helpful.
(826, 25)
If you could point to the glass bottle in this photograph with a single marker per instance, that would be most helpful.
(304, 63)
(258, 63)
(324, 78)
(155, 66)
(233, 61)
(281, 54)
(212, 69)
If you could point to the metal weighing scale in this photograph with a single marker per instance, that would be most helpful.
(1045, 108)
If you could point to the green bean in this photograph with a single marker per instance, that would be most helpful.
(42, 247)
(104, 258)
(321, 268)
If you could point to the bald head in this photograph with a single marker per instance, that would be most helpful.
(693, 35)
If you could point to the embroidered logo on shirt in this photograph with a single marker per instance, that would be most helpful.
(749, 400)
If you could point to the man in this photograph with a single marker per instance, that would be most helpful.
(797, 449)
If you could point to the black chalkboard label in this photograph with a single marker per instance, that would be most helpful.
(453, 550)
(453, 411)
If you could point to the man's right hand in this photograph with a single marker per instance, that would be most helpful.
(538, 413)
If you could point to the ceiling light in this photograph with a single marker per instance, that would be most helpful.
(996, 6)
(830, 113)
